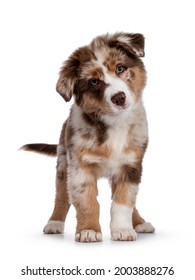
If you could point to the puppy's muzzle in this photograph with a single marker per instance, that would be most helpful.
(119, 98)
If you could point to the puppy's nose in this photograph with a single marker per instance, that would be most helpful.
(119, 98)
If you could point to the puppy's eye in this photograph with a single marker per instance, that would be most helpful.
(119, 69)
(94, 82)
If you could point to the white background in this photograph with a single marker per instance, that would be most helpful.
(35, 37)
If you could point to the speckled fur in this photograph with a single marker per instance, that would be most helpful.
(105, 135)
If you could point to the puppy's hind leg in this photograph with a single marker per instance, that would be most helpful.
(140, 225)
(55, 224)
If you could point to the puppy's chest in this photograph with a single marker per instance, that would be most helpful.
(122, 146)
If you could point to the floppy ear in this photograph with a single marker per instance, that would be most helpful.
(130, 42)
(68, 74)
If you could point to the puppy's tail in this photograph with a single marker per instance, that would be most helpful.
(41, 148)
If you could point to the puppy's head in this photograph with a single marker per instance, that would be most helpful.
(107, 76)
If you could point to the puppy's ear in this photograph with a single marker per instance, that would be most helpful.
(130, 42)
(68, 74)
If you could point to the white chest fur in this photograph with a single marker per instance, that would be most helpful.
(123, 138)
(117, 142)
(123, 141)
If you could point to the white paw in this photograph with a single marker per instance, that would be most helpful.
(88, 235)
(127, 234)
(145, 228)
(54, 227)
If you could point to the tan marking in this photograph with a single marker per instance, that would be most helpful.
(124, 194)
(137, 219)
(111, 65)
(82, 62)
(92, 71)
(62, 200)
(138, 81)
(91, 105)
(137, 151)
(102, 151)
(126, 76)
(87, 208)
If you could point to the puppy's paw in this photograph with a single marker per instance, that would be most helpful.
(88, 235)
(127, 234)
(145, 228)
(54, 227)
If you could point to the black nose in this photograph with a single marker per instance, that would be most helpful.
(119, 98)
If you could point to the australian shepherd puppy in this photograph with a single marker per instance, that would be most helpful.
(105, 135)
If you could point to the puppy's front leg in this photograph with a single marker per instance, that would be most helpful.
(83, 193)
(124, 192)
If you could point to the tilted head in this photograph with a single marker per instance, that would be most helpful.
(107, 76)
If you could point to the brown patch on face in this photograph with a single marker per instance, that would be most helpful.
(138, 81)
(90, 97)
(93, 105)
(111, 65)
(85, 88)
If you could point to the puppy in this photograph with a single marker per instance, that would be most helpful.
(105, 135)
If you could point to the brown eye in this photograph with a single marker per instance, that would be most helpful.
(94, 82)
(119, 69)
